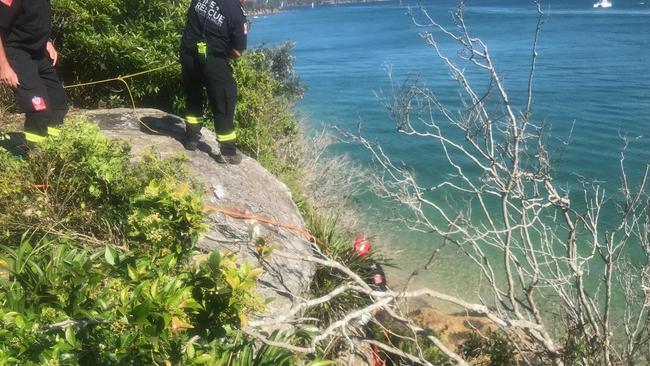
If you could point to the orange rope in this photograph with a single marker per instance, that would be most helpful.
(239, 215)
(265, 220)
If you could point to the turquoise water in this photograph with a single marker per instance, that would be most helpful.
(592, 77)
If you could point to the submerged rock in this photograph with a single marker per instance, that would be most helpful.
(246, 188)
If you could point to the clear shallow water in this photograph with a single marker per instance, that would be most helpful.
(593, 75)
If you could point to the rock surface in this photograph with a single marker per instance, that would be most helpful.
(453, 329)
(246, 188)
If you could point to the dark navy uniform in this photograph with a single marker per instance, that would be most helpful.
(214, 28)
(25, 29)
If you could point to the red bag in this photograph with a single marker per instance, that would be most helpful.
(362, 246)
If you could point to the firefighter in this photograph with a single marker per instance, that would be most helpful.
(215, 32)
(27, 60)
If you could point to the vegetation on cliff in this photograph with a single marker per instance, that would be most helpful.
(99, 265)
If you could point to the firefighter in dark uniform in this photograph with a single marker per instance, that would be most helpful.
(215, 32)
(27, 60)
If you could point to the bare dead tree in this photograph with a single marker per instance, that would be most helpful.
(566, 285)
(553, 245)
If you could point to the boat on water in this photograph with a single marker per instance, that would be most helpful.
(603, 4)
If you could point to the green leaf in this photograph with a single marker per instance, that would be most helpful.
(126, 339)
(19, 321)
(166, 320)
(141, 312)
(247, 356)
(124, 296)
(214, 260)
(109, 255)
(70, 337)
(103, 305)
(132, 272)
(192, 304)
(203, 359)
(153, 290)
(189, 350)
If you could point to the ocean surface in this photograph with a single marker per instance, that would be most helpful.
(592, 86)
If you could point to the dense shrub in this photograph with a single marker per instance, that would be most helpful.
(279, 61)
(492, 349)
(127, 307)
(85, 184)
(264, 116)
(337, 244)
(97, 266)
(102, 39)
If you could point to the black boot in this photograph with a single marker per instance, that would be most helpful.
(229, 154)
(192, 136)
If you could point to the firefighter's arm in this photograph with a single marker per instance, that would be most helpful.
(238, 33)
(8, 11)
(7, 74)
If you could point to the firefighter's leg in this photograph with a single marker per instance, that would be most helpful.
(31, 95)
(193, 84)
(56, 99)
(222, 92)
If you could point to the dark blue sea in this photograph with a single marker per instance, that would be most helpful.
(592, 87)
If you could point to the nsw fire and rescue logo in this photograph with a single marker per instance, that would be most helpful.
(7, 2)
(38, 102)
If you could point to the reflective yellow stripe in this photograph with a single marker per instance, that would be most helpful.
(32, 137)
(53, 131)
(229, 137)
(194, 120)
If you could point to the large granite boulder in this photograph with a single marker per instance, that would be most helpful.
(246, 188)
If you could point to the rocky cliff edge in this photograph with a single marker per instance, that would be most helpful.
(246, 188)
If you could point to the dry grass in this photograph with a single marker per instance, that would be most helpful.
(9, 120)
(331, 180)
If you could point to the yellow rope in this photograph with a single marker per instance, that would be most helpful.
(120, 77)
(128, 89)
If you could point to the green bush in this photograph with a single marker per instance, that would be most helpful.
(577, 348)
(102, 39)
(337, 245)
(264, 116)
(128, 307)
(107, 275)
(84, 184)
(494, 349)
